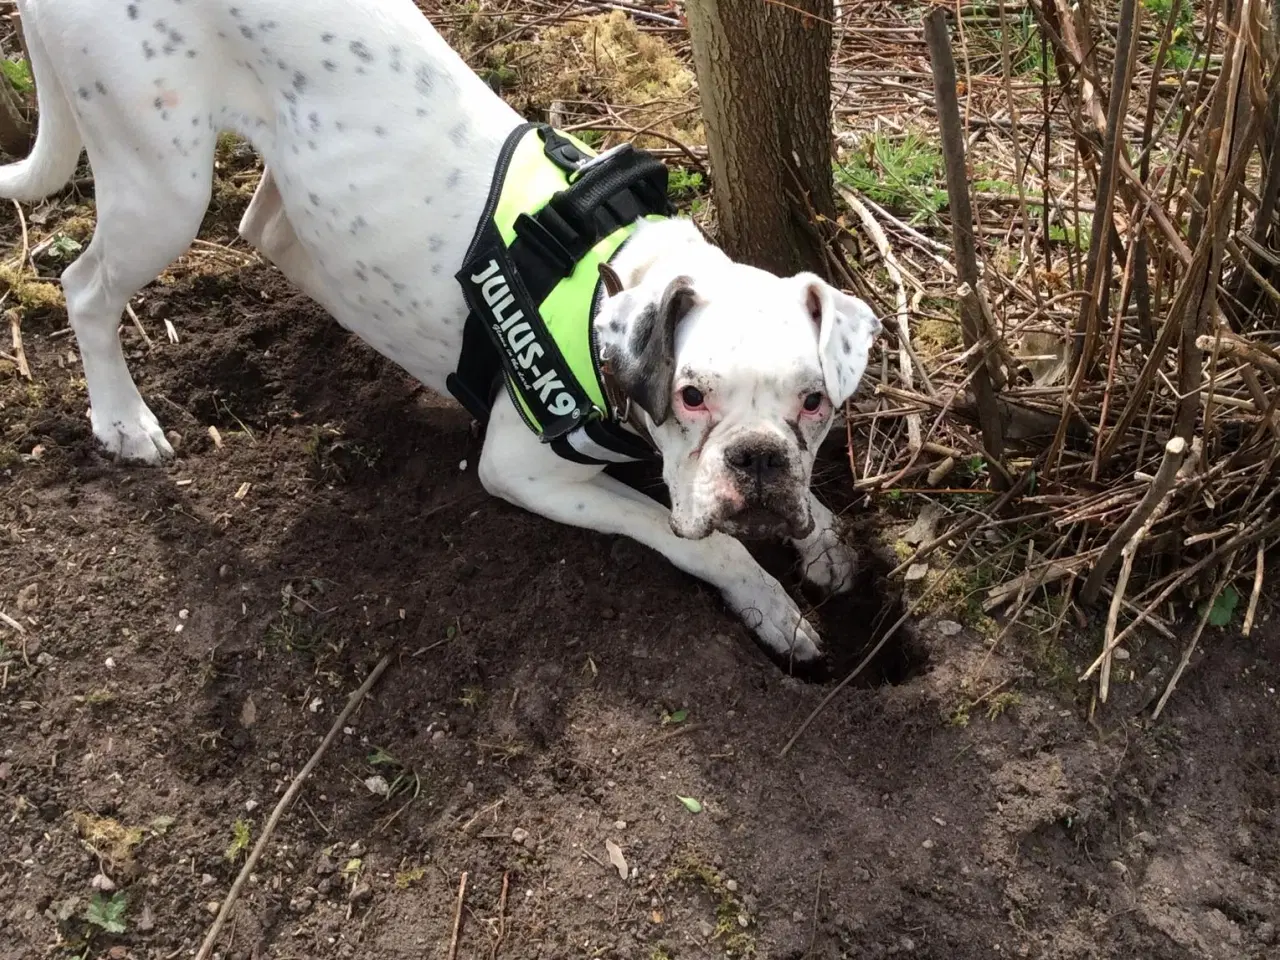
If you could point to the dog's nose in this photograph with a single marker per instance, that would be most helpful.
(758, 462)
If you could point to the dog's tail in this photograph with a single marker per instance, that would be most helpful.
(57, 151)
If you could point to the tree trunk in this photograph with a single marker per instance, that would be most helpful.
(764, 74)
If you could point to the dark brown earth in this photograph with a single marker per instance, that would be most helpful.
(191, 632)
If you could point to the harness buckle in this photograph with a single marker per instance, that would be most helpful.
(561, 151)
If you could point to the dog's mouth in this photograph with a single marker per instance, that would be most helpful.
(760, 523)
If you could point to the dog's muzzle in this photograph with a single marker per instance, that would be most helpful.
(771, 501)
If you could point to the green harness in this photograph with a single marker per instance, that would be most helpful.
(531, 280)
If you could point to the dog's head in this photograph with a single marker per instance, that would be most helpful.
(738, 374)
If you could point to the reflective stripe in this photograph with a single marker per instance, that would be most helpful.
(582, 443)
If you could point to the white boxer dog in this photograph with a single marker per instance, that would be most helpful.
(380, 146)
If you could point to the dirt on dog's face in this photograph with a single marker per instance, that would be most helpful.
(739, 373)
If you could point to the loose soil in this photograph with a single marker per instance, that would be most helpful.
(190, 633)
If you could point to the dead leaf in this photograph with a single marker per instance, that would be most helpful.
(617, 859)
(924, 529)
(248, 713)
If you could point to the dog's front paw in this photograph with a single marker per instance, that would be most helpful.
(137, 438)
(826, 562)
(777, 621)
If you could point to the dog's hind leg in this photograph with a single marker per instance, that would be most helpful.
(149, 211)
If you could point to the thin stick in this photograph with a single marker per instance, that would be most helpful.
(128, 307)
(1258, 570)
(12, 623)
(1155, 503)
(982, 363)
(914, 435)
(457, 917)
(502, 918)
(1188, 653)
(286, 801)
(1174, 451)
(15, 328)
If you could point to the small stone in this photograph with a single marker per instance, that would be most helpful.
(438, 736)
(520, 835)
(731, 886)
(361, 892)
(862, 874)
(948, 628)
(213, 906)
(377, 785)
(797, 916)
(300, 904)
(174, 438)
(102, 882)
(1266, 932)
(907, 945)
(1147, 840)
(619, 824)
(208, 880)
(917, 571)
(1118, 868)
(744, 921)
(44, 659)
(224, 571)
(928, 844)
(324, 886)
(468, 788)
(325, 866)
(250, 805)
(1120, 653)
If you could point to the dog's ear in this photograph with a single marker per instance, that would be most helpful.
(612, 282)
(846, 329)
(647, 370)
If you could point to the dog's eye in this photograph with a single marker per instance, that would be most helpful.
(692, 397)
(813, 402)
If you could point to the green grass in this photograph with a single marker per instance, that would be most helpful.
(902, 173)
(1182, 43)
(18, 73)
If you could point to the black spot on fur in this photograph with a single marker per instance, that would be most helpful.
(246, 31)
(422, 111)
(314, 119)
(360, 50)
(158, 103)
(299, 81)
(83, 93)
(148, 50)
(435, 242)
(454, 178)
(100, 87)
(235, 12)
(133, 11)
(361, 275)
(191, 54)
(458, 135)
(380, 131)
(327, 38)
(396, 66)
(424, 79)
(329, 65)
(845, 345)
(314, 198)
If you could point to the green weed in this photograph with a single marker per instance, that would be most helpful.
(18, 73)
(902, 173)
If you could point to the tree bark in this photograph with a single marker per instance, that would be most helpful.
(764, 76)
